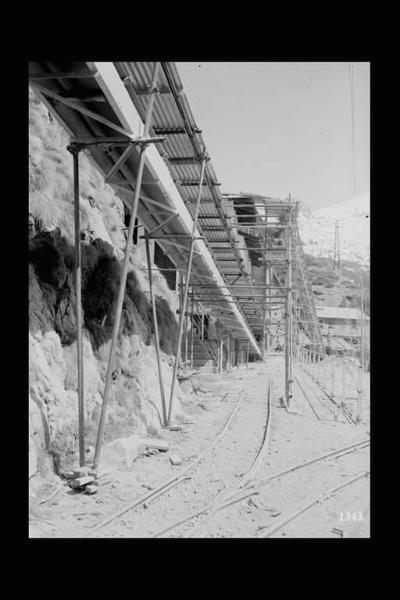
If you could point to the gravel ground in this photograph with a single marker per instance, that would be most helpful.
(293, 438)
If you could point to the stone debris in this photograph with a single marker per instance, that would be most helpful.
(175, 459)
(157, 444)
(81, 472)
(81, 481)
(130, 448)
(91, 489)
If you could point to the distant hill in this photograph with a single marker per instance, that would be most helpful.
(317, 229)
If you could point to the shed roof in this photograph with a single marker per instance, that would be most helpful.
(340, 312)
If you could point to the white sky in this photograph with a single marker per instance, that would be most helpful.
(274, 128)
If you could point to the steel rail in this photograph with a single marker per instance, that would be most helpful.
(164, 487)
(310, 387)
(236, 498)
(343, 450)
(224, 499)
(307, 398)
(307, 506)
(348, 416)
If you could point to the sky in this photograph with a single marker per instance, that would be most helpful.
(285, 127)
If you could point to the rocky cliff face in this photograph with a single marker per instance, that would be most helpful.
(135, 404)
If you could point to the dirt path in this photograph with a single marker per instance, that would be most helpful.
(293, 438)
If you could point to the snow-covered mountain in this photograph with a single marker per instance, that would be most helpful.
(317, 229)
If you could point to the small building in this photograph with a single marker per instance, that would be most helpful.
(341, 328)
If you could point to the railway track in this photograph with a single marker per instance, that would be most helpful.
(243, 489)
(194, 475)
(321, 410)
(341, 407)
(334, 454)
(311, 388)
(304, 508)
(235, 493)
(173, 481)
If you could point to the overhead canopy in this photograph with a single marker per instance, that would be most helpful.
(107, 100)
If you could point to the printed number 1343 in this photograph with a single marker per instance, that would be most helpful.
(348, 516)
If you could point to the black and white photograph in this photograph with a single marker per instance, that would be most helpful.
(199, 299)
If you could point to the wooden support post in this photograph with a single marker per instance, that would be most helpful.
(186, 341)
(344, 398)
(289, 320)
(333, 378)
(268, 312)
(125, 267)
(79, 341)
(191, 331)
(155, 328)
(360, 386)
(247, 355)
(263, 333)
(188, 272)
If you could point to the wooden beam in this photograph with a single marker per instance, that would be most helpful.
(70, 75)
(172, 130)
(192, 183)
(81, 109)
(182, 160)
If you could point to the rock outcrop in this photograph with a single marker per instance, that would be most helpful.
(135, 403)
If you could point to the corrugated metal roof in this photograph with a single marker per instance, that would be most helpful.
(177, 146)
(339, 312)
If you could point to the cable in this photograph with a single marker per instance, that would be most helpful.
(353, 135)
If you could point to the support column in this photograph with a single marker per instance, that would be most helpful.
(188, 272)
(191, 330)
(288, 331)
(186, 339)
(263, 331)
(125, 267)
(344, 398)
(155, 328)
(268, 312)
(360, 386)
(237, 353)
(78, 294)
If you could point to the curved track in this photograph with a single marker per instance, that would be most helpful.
(327, 494)
(172, 482)
(233, 494)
